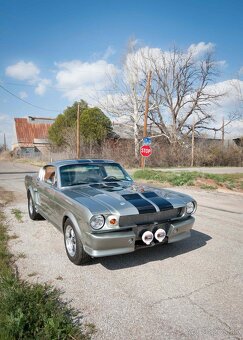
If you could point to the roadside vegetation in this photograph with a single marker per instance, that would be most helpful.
(32, 311)
(187, 178)
(18, 214)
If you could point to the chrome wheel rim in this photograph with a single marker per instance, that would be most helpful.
(70, 240)
(31, 208)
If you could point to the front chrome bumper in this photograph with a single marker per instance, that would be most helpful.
(121, 242)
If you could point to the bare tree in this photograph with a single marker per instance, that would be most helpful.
(126, 99)
(237, 85)
(181, 93)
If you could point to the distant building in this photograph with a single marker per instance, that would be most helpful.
(30, 135)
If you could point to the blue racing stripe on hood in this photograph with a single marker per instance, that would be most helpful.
(143, 206)
(161, 202)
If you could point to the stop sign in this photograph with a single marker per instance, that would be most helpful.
(145, 150)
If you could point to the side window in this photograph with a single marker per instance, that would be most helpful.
(49, 175)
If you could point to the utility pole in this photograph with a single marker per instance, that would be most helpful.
(78, 134)
(4, 142)
(146, 113)
(222, 129)
(193, 142)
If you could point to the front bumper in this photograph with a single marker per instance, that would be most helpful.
(121, 242)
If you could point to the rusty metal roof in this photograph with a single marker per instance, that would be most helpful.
(26, 132)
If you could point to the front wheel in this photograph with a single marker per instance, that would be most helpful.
(33, 214)
(73, 245)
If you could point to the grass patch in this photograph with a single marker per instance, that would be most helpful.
(32, 311)
(18, 214)
(208, 187)
(190, 178)
(174, 178)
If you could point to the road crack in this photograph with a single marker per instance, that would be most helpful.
(228, 329)
(182, 296)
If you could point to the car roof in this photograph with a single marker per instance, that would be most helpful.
(80, 161)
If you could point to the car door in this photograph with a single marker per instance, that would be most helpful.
(45, 189)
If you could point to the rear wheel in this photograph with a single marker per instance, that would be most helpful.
(33, 214)
(73, 245)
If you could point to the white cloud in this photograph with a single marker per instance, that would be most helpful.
(41, 87)
(23, 94)
(109, 52)
(198, 50)
(229, 105)
(241, 71)
(79, 79)
(234, 130)
(233, 90)
(221, 63)
(29, 72)
(23, 71)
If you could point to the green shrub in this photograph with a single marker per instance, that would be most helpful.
(32, 311)
(35, 312)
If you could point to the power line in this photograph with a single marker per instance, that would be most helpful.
(24, 101)
(53, 87)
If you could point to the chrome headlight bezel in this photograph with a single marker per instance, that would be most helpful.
(97, 222)
(191, 207)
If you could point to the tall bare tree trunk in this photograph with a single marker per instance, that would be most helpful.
(136, 129)
(136, 140)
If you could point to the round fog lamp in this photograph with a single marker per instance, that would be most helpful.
(190, 207)
(97, 222)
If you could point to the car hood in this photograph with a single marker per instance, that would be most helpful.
(125, 198)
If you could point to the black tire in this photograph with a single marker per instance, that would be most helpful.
(33, 214)
(73, 245)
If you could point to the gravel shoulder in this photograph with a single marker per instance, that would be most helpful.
(187, 290)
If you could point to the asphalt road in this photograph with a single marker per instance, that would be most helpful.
(188, 290)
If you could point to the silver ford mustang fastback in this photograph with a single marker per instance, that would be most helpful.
(102, 212)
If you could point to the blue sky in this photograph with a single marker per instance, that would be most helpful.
(41, 39)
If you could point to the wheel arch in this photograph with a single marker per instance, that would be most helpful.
(30, 191)
(69, 215)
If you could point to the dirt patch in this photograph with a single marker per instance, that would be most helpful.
(6, 197)
(5, 155)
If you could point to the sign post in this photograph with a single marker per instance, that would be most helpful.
(146, 113)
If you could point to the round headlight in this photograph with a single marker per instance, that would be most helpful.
(97, 221)
(190, 207)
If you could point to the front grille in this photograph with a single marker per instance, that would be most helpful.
(139, 219)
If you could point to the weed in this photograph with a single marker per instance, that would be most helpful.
(18, 214)
(208, 187)
(59, 278)
(13, 237)
(21, 256)
(32, 274)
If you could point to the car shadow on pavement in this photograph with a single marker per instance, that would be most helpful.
(157, 253)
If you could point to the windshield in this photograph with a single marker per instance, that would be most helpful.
(75, 174)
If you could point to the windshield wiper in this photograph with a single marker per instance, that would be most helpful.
(78, 183)
(112, 180)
